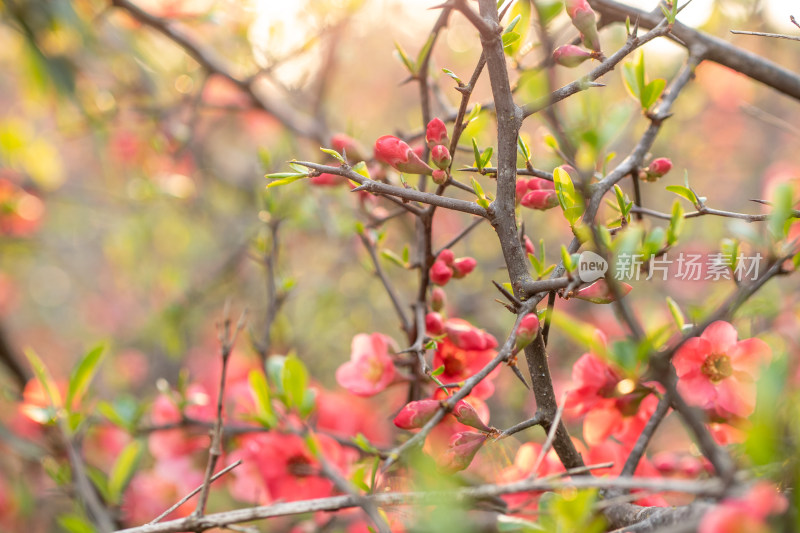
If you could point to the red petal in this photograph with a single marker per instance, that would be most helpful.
(721, 335)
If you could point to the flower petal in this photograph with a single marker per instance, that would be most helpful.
(722, 336)
(599, 423)
(749, 355)
(691, 355)
(697, 390)
(736, 396)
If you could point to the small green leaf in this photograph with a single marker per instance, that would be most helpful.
(123, 470)
(730, 252)
(274, 370)
(684, 192)
(82, 375)
(781, 216)
(582, 332)
(486, 157)
(404, 58)
(523, 149)
(510, 38)
(406, 254)
(477, 188)
(393, 257)
(364, 444)
(291, 178)
(676, 312)
(425, 50)
(294, 378)
(476, 110)
(566, 258)
(477, 153)
(676, 223)
(512, 24)
(438, 371)
(259, 389)
(453, 75)
(652, 92)
(333, 153)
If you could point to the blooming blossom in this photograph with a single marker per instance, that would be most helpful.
(746, 514)
(370, 369)
(464, 352)
(718, 373)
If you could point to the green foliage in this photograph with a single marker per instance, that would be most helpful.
(635, 79)
(568, 198)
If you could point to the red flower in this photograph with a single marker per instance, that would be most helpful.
(370, 369)
(463, 353)
(718, 373)
(440, 273)
(436, 133)
(400, 156)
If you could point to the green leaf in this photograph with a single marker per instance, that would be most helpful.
(294, 378)
(476, 110)
(82, 375)
(583, 333)
(566, 258)
(364, 444)
(629, 80)
(486, 157)
(274, 370)
(438, 371)
(425, 50)
(123, 470)
(676, 312)
(570, 201)
(478, 189)
(781, 215)
(652, 92)
(289, 177)
(676, 223)
(453, 75)
(653, 242)
(477, 153)
(683, 192)
(333, 153)
(406, 254)
(510, 38)
(404, 58)
(523, 149)
(259, 389)
(730, 252)
(393, 257)
(74, 523)
(512, 24)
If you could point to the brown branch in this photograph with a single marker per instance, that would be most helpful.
(398, 307)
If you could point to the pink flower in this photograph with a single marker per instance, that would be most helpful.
(570, 55)
(658, 167)
(370, 369)
(463, 353)
(440, 273)
(152, 491)
(468, 337)
(441, 156)
(528, 330)
(539, 184)
(600, 293)
(718, 373)
(398, 155)
(175, 443)
(436, 133)
(463, 447)
(416, 414)
(463, 266)
(747, 514)
(540, 199)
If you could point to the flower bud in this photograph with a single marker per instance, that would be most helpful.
(600, 293)
(467, 415)
(447, 256)
(439, 176)
(346, 145)
(539, 184)
(463, 447)
(400, 156)
(436, 133)
(522, 188)
(528, 330)
(540, 199)
(570, 55)
(583, 18)
(441, 156)
(467, 337)
(463, 266)
(529, 246)
(440, 273)
(434, 324)
(416, 414)
(438, 299)
(658, 167)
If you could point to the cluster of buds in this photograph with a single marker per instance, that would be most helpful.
(658, 167)
(447, 266)
(584, 19)
(536, 193)
(437, 139)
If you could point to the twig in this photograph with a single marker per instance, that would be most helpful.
(644, 438)
(398, 307)
(762, 34)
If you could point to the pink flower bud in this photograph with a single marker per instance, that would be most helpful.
(434, 323)
(467, 415)
(436, 133)
(463, 447)
(463, 266)
(467, 337)
(344, 144)
(400, 156)
(539, 184)
(416, 414)
(441, 156)
(529, 246)
(447, 256)
(583, 18)
(522, 188)
(600, 293)
(440, 273)
(666, 462)
(570, 55)
(439, 176)
(528, 330)
(541, 200)
(658, 167)
(438, 299)
(327, 180)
